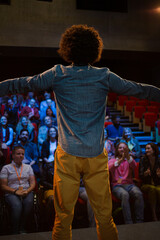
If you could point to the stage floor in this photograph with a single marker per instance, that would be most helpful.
(141, 231)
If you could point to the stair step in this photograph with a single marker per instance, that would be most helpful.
(140, 133)
(129, 124)
(134, 128)
(143, 138)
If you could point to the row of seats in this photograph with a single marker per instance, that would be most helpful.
(145, 113)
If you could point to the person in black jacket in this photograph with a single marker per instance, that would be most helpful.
(49, 146)
(149, 172)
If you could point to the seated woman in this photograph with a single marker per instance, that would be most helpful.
(6, 133)
(24, 123)
(47, 172)
(42, 132)
(132, 142)
(49, 146)
(149, 172)
(50, 113)
(18, 182)
(123, 188)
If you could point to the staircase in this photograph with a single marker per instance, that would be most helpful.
(142, 137)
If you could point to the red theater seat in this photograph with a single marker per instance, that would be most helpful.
(157, 104)
(143, 102)
(154, 109)
(128, 109)
(149, 121)
(112, 98)
(138, 114)
(121, 101)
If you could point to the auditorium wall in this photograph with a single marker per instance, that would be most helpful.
(30, 31)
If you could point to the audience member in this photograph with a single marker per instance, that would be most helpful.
(31, 152)
(121, 169)
(16, 102)
(132, 142)
(31, 95)
(50, 113)
(42, 132)
(11, 112)
(18, 183)
(149, 172)
(6, 133)
(31, 112)
(49, 146)
(45, 104)
(83, 195)
(25, 123)
(115, 130)
(109, 148)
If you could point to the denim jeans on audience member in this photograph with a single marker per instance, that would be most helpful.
(20, 209)
(124, 192)
(83, 195)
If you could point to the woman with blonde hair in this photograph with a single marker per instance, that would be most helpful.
(25, 123)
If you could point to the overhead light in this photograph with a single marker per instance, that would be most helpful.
(156, 10)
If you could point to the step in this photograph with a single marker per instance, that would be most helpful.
(143, 138)
(140, 133)
(129, 124)
(134, 128)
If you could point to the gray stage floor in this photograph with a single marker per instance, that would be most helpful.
(141, 231)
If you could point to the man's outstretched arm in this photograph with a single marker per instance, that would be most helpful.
(38, 82)
(131, 88)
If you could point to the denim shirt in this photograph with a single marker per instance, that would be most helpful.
(80, 93)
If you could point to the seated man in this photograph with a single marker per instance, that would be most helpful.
(31, 152)
(18, 182)
(114, 131)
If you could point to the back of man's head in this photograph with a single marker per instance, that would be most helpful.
(81, 45)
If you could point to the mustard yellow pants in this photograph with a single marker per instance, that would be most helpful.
(68, 169)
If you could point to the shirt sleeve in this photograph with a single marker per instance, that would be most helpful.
(4, 173)
(131, 88)
(38, 82)
(30, 172)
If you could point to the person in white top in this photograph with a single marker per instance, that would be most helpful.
(18, 183)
